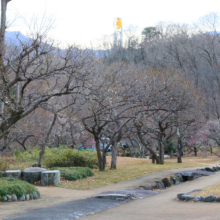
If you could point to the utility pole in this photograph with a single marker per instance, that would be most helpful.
(115, 32)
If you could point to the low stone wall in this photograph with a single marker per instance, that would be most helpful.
(34, 174)
(14, 198)
(210, 198)
(31, 175)
(187, 197)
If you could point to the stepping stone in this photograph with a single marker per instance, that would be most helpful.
(13, 173)
(51, 177)
(32, 174)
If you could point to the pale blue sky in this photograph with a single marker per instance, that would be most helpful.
(84, 20)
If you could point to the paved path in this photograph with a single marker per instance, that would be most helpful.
(165, 206)
(160, 206)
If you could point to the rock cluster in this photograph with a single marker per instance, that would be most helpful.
(27, 197)
(34, 174)
(210, 198)
(187, 197)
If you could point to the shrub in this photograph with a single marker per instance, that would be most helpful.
(74, 173)
(27, 156)
(3, 165)
(61, 157)
(9, 186)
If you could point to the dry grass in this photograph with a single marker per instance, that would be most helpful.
(128, 168)
(212, 190)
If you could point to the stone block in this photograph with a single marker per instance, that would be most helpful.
(32, 174)
(27, 197)
(22, 198)
(13, 173)
(35, 195)
(51, 177)
(14, 198)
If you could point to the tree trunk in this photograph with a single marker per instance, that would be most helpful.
(179, 152)
(101, 158)
(154, 155)
(161, 153)
(45, 141)
(143, 152)
(195, 151)
(114, 156)
(179, 158)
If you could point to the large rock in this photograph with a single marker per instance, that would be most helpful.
(159, 184)
(27, 197)
(35, 195)
(146, 187)
(166, 182)
(179, 177)
(188, 174)
(214, 169)
(217, 168)
(51, 177)
(13, 173)
(179, 196)
(188, 197)
(184, 197)
(32, 174)
(22, 198)
(209, 169)
(199, 198)
(14, 198)
(217, 199)
(210, 198)
(173, 179)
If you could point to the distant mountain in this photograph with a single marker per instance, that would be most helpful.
(14, 38)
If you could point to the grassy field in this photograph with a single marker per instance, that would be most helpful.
(212, 190)
(128, 168)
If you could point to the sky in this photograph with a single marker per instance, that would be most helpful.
(82, 21)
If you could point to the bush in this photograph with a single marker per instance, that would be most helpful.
(27, 156)
(9, 186)
(61, 157)
(3, 165)
(74, 173)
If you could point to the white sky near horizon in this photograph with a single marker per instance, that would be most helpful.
(82, 21)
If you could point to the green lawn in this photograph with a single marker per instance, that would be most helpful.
(129, 168)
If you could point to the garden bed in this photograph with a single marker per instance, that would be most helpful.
(12, 190)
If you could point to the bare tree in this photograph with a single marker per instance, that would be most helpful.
(42, 73)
